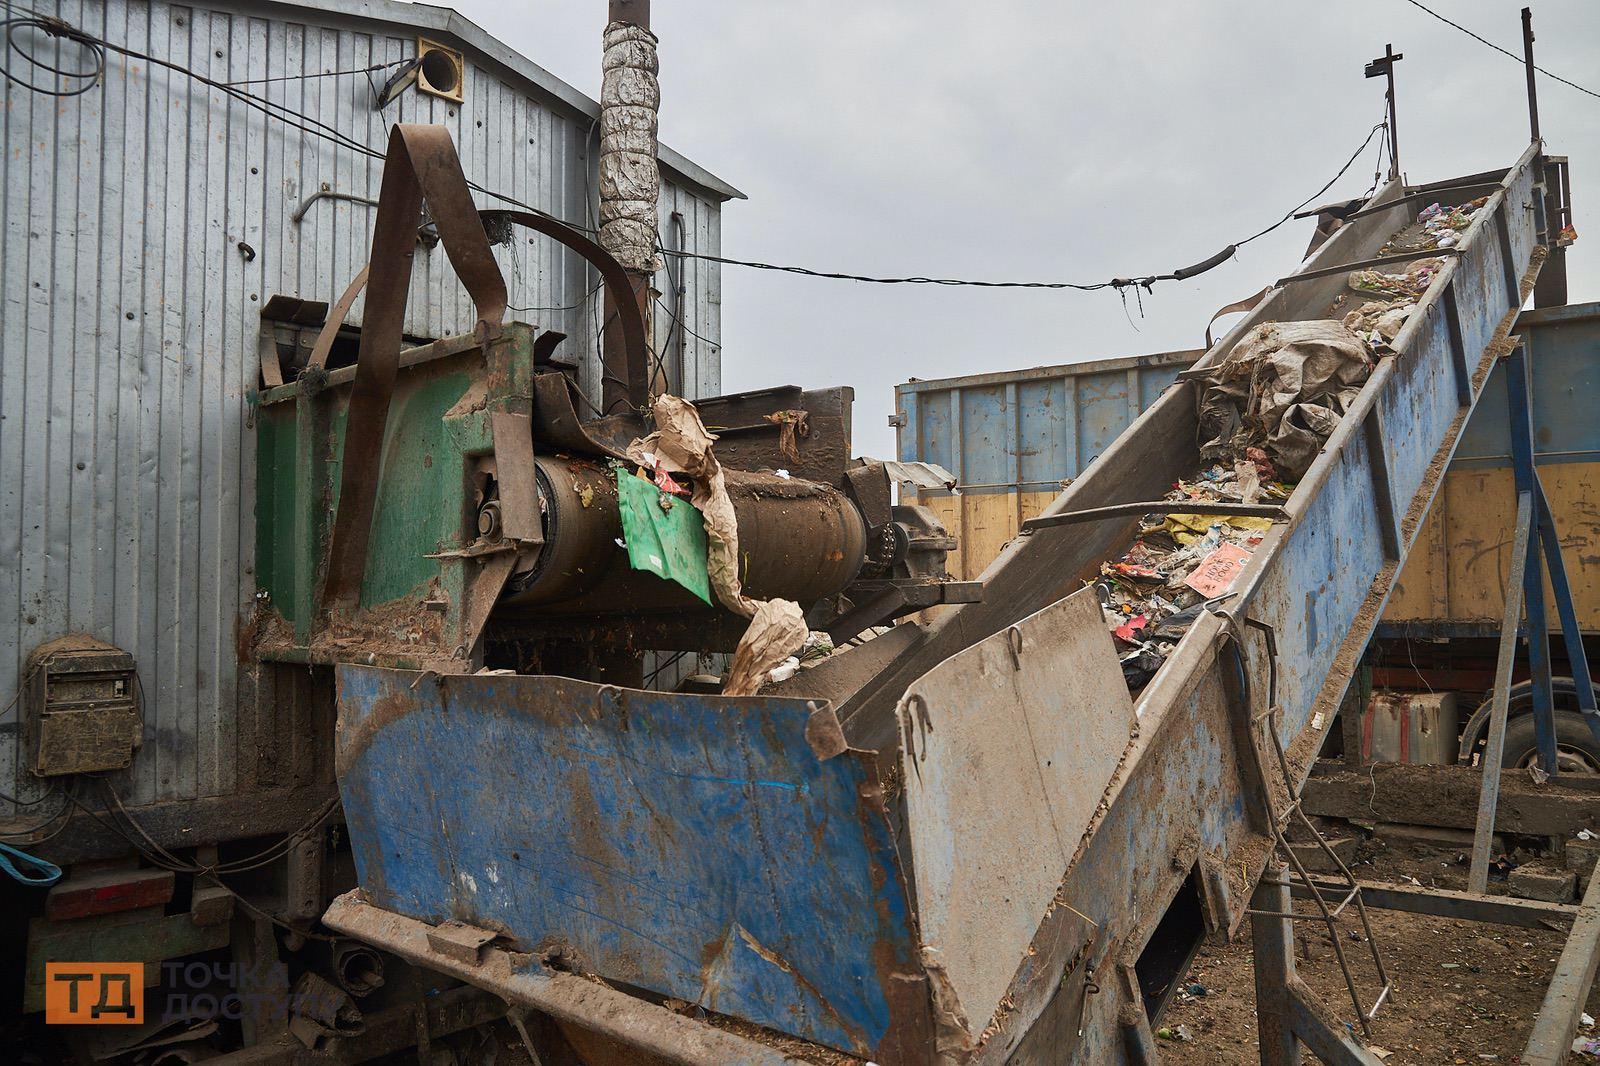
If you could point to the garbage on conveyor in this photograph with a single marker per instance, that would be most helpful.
(1444, 225)
(1264, 414)
(1282, 389)
(1377, 322)
(1412, 283)
(1156, 589)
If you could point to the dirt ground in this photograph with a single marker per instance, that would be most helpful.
(1464, 992)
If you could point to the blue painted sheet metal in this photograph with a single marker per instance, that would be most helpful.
(724, 851)
(1183, 804)
(1027, 430)
(1564, 346)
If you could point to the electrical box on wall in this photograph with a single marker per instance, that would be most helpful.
(81, 707)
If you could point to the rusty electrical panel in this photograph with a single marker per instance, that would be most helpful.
(81, 707)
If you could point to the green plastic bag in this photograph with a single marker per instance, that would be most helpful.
(665, 534)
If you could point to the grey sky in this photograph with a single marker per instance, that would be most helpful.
(1066, 141)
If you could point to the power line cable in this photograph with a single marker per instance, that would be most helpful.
(684, 327)
(568, 307)
(1146, 282)
(1497, 48)
(315, 127)
(324, 74)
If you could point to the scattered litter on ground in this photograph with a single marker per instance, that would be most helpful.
(1586, 1045)
(1176, 1032)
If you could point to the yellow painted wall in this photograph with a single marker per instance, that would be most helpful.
(1456, 570)
(982, 523)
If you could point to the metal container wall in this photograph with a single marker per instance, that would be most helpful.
(1013, 438)
(1455, 579)
(146, 222)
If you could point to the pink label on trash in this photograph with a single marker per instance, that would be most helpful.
(1217, 571)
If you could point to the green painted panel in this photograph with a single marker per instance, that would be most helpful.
(150, 938)
(422, 495)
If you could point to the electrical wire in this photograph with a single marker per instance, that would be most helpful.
(324, 74)
(164, 859)
(1381, 127)
(272, 109)
(317, 128)
(1502, 51)
(89, 78)
(1146, 282)
(55, 820)
(569, 307)
(684, 326)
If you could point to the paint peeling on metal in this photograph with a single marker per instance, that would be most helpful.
(700, 847)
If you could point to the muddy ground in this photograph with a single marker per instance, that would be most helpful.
(1464, 992)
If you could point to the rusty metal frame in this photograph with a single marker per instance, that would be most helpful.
(618, 285)
(421, 164)
(569, 998)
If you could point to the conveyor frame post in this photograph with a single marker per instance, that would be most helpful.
(1536, 550)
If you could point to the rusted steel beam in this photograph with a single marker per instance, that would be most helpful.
(1272, 942)
(1569, 988)
(1489, 794)
(1447, 797)
(625, 352)
(1463, 906)
(1367, 264)
(637, 1024)
(1201, 507)
(387, 1032)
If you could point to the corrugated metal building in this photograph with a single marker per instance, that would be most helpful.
(146, 223)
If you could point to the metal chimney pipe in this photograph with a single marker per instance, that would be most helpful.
(630, 184)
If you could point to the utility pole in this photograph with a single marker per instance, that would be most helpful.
(1383, 66)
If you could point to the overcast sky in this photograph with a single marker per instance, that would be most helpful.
(1052, 141)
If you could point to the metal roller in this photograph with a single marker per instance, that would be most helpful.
(798, 540)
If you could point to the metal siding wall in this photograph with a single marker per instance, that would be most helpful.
(130, 325)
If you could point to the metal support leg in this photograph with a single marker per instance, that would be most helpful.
(1538, 633)
(1272, 939)
(1494, 750)
(1571, 634)
(1138, 1042)
(1526, 477)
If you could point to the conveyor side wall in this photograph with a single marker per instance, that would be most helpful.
(1188, 802)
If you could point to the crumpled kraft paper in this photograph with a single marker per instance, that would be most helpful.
(777, 627)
